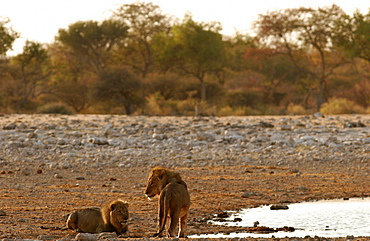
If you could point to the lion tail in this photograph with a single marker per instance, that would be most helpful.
(164, 205)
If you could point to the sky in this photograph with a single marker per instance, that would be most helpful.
(40, 20)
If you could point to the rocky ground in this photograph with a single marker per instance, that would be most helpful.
(51, 165)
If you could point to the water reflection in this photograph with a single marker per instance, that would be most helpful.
(328, 218)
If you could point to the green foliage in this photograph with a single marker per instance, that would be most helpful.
(140, 61)
(305, 35)
(122, 86)
(191, 48)
(33, 59)
(7, 37)
(239, 98)
(167, 85)
(336, 106)
(28, 75)
(353, 35)
(145, 21)
(158, 105)
(228, 111)
(91, 41)
(296, 109)
(54, 108)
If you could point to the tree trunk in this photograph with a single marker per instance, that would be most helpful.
(203, 90)
(320, 94)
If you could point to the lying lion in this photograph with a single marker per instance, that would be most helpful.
(174, 200)
(111, 218)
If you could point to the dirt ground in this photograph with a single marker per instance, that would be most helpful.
(36, 204)
(36, 211)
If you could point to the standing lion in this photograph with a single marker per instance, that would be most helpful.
(174, 200)
(111, 218)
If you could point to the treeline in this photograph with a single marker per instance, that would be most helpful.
(141, 61)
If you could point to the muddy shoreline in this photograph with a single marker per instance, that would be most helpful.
(51, 165)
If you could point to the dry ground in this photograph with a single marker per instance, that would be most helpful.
(35, 204)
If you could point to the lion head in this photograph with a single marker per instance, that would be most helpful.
(116, 214)
(158, 178)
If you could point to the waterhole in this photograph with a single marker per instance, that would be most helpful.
(327, 218)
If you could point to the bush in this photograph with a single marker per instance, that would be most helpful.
(336, 106)
(157, 105)
(244, 98)
(228, 111)
(54, 108)
(296, 109)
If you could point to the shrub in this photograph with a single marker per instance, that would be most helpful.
(244, 98)
(228, 111)
(157, 105)
(54, 108)
(296, 109)
(336, 106)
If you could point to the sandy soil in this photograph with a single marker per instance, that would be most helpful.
(37, 202)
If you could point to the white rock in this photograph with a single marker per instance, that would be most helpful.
(307, 138)
(366, 140)
(86, 237)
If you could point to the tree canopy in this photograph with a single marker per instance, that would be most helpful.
(7, 37)
(91, 42)
(142, 61)
(192, 48)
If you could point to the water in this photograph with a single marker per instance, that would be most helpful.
(328, 218)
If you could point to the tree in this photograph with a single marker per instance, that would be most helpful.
(145, 21)
(71, 83)
(7, 37)
(91, 42)
(235, 48)
(28, 74)
(121, 87)
(194, 49)
(353, 35)
(306, 36)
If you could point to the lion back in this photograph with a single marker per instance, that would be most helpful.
(86, 220)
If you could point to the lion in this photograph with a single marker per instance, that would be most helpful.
(111, 218)
(174, 200)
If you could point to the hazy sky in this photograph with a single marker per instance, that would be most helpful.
(39, 20)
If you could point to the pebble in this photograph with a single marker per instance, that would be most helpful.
(57, 175)
(86, 237)
(67, 142)
(2, 213)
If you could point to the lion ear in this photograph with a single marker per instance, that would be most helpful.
(160, 173)
(113, 206)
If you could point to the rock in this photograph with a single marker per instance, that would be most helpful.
(2, 213)
(210, 137)
(318, 115)
(279, 207)
(44, 237)
(248, 194)
(223, 215)
(285, 127)
(106, 235)
(57, 175)
(159, 136)
(86, 237)
(98, 141)
(26, 172)
(308, 138)
(277, 137)
(265, 124)
(11, 126)
(366, 140)
(354, 124)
